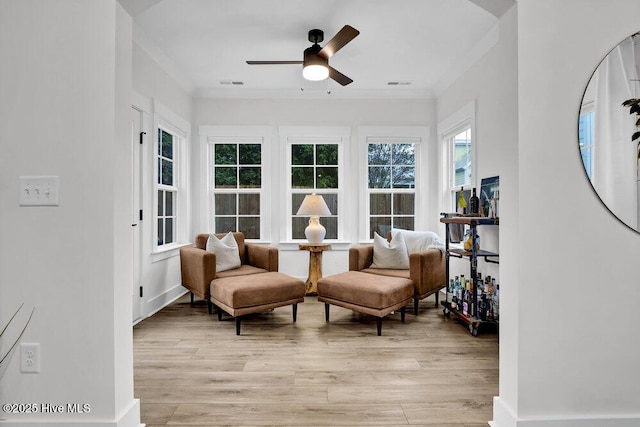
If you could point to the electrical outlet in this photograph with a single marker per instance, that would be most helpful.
(29, 357)
(39, 191)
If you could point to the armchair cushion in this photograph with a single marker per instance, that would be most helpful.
(391, 255)
(226, 250)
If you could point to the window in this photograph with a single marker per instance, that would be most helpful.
(167, 188)
(585, 137)
(314, 169)
(391, 186)
(237, 184)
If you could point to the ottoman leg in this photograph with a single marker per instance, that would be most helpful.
(326, 312)
(295, 312)
(379, 325)
(416, 301)
(402, 314)
(209, 306)
(219, 313)
(191, 297)
(437, 295)
(238, 320)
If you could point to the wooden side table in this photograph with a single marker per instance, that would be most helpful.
(315, 265)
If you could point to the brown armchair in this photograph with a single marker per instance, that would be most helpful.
(426, 270)
(198, 266)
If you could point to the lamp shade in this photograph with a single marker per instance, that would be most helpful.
(314, 205)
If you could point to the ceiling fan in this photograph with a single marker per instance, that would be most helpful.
(315, 65)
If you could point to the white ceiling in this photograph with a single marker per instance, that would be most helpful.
(202, 43)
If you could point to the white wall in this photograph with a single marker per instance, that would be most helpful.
(156, 93)
(318, 112)
(569, 357)
(491, 85)
(61, 114)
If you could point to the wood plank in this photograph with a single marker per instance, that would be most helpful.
(191, 369)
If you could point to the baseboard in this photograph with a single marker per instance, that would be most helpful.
(130, 417)
(503, 416)
(159, 302)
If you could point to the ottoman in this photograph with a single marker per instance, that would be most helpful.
(254, 293)
(366, 293)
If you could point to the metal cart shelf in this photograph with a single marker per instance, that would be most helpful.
(474, 323)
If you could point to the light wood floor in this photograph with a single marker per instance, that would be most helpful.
(191, 369)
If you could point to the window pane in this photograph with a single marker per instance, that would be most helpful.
(379, 224)
(298, 224)
(302, 154)
(160, 232)
(249, 204)
(226, 177)
(379, 154)
(403, 204)
(403, 222)
(225, 154)
(167, 172)
(403, 154)
(250, 177)
(379, 177)
(462, 157)
(296, 201)
(160, 203)
(250, 226)
(166, 145)
(250, 154)
(404, 177)
(225, 224)
(301, 177)
(332, 202)
(380, 204)
(168, 203)
(225, 204)
(327, 177)
(331, 225)
(168, 231)
(327, 154)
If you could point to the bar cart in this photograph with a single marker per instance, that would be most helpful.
(475, 317)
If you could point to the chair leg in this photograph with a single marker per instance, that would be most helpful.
(238, 320)
(191, 297)
(209, 306)
(416, 301)
(379, 325)
(219, 313)
(326, 312)
(295, 312)
(437, 297)
(402, 314)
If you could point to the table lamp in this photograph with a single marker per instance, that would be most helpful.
(314, 206)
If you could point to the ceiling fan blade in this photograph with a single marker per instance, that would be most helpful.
(344, 36)
(339, 77)
(273, 62)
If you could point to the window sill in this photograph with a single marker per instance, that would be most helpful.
(166, 252)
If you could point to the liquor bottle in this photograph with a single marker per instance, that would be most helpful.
(462, 203)
(474, 203)
(496, 303)
(450, 293)
(465, 303)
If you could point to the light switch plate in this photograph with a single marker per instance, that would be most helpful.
(39, 191)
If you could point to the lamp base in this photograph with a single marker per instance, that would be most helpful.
(315, 231)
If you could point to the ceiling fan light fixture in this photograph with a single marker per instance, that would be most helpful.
(315, 72)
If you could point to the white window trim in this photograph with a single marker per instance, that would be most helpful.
(166, 119)
(211, 134)
(292, 134)
(447, 128)
(418, 135)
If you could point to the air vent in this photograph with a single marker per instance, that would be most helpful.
(231, 82)
(399, 83)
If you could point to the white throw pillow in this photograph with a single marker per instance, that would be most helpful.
(226, 250)
(418, 241)
(391, 254)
